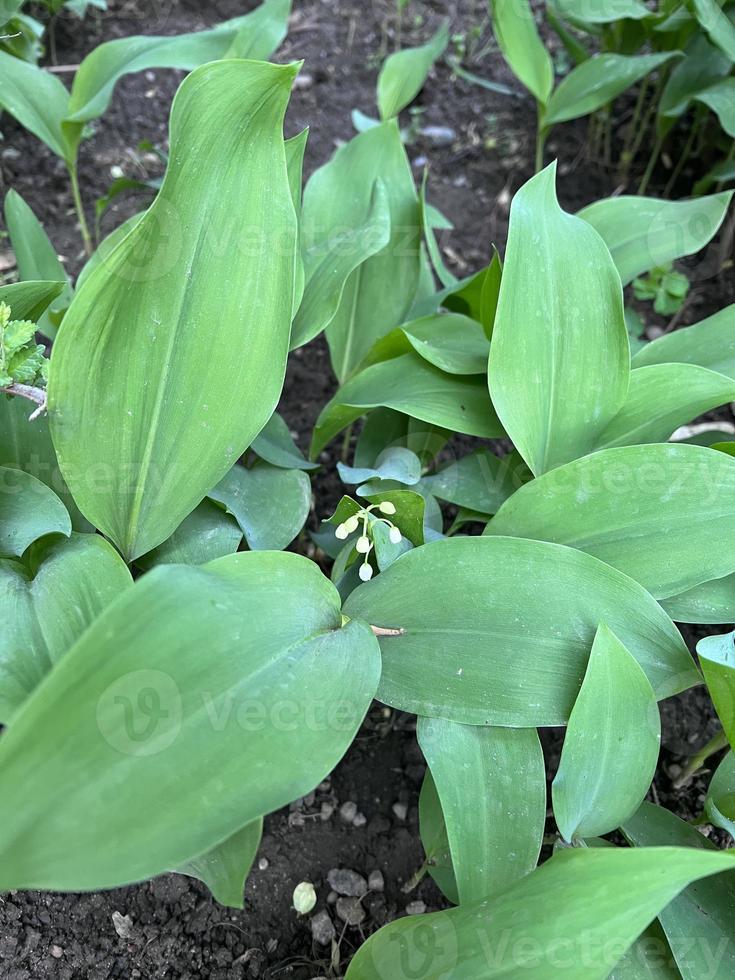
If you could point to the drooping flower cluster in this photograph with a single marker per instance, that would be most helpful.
(365, 543)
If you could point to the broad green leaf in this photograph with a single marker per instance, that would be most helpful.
(8, 9)
(403, 73)
(605, 12)
(29, 300)
(497, 631)
(717, 659)
(254, 36)
(225, 868)
(207, 533)
(597, 81)
(379, 293)
(28, 511)
(573, 918)
(662, 397)
(35, 255)
(559, 358)
(649, 958)
(522, 47)
(717, 24)
(611, 745)
(431, 219)
(434, 839)
(238, 675)
(274, 443)
(450, 341)
(329, 263)
(710, 602)
(36, 98)
(643, 233)
(492, 787)
(709, 343)
(720, 98)
(659, 513)
(27, 446)
(410, 385)
(409, 515)
(479, 481)
(269, 503)
(45, 610)
(477, 297)
(719, 805)
(699, 923)
(106, 246)
(394, 463)
(702, 66)
(200, 326)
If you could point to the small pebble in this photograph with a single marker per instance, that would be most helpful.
(123, 925)
(326, 812)
(350, 911)
(296, 819)
(416, 908)
(348, 811)
(57, 952)
(376, 881)
(322, 928)
(344, 881)
(263, 864)
(439, 135)
(332, 898)
(304, 897)
(360, 820)
(303, 82)
(400, 810)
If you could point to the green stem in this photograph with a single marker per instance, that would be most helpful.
(716, 744)
(632, 136)
(346, 444)
(655, 153)
(541, 134)
(79, 208)
(730, 154)
(685, 154)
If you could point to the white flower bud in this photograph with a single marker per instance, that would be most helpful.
(387, 508)
(395, 535)
(366, 572)
(341, 532)
(351, 523)
(363, 544)
(304, 897)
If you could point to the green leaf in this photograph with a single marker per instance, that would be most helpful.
(709, 343)
(329, 263)
(269, 503)
(403, 73)
(28, 511)
(492, 787)
(434, 839)
(717, 24)
(717, 660)
(477, 297)
(485, 648)
(559, 359)
(479, 481)
(662, 397)
(572, 918)
(45, 613)
(394, 463)
(238, 676)
(379, 293)
(710, 602)
(597, 81)
(522, 47)
(106, 246)
(719, 805)
(207, 533)
(659, 513)
(699, 923)
(611, 745)
(702, 66)
(644, 232)
(226, 867)
(450, 341)
(169, 426)
(274, 443)
(410, 385)
(720, 98)
(36, 98)
(28, 300)
(35, 255)
(430, 219)
(649, 958)
(254, 36)
(605, 12)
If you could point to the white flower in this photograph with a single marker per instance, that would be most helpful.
(363, 544)
(387, 508)
(366, 572)
(351, 523)
(395, 535)
(341, 532)
(304, 897)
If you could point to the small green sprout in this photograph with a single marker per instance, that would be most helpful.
(665, 286)
(365, 544)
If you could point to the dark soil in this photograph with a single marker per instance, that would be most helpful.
(177, 930)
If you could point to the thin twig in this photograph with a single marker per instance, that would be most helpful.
(37, 395)
(384, 631)
(61, 69)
